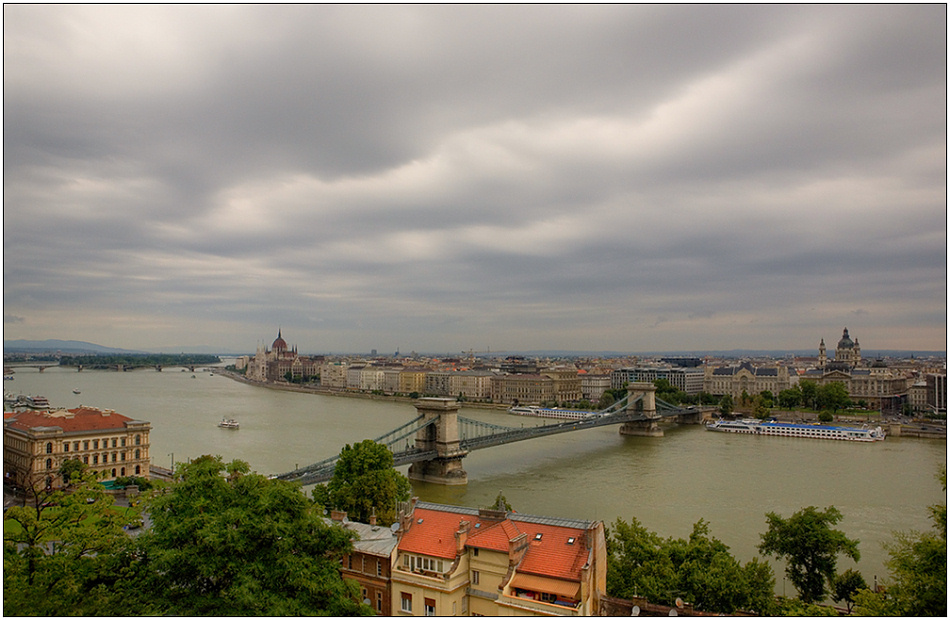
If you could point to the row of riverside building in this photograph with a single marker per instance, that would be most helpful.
(441, 560)
(516, 380)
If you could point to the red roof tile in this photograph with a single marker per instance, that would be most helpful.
(83, 419)
(550, 556)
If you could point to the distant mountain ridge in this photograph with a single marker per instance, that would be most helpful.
(63, 346)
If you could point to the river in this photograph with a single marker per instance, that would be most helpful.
(667, 483)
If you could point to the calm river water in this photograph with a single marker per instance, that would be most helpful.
(667, 483)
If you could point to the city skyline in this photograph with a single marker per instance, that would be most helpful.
(447, 178)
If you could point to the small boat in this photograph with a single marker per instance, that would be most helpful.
(229, 423)
(76, 391)
(37, 402)
(542, 412)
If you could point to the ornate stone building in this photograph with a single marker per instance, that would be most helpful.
(36, 443)
(873, 382)
(734, 380)
(273, 365)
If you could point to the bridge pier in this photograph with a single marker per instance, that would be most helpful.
(647, 404)
(443, 438)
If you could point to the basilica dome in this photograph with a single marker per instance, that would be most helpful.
(845, 342)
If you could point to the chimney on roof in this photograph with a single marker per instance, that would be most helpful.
(372, 517)
(337, 515)
(492, 515)
(461, 536)
(516, 548)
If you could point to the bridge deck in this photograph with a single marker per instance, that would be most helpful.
(477, 435)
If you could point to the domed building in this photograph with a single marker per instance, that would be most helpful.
(276, 363)
(881, 387)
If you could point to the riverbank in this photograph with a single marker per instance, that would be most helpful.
(344, 392)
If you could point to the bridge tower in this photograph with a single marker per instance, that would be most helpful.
(443, 438)
(648, 426)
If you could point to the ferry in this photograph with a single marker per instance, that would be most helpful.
(229, 423)
(37, 402)
(784, 429)
(562, 414)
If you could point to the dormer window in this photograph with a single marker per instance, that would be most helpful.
(538, 536)
(571, 540)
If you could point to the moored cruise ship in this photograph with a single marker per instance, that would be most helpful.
(562, 414)
(784, 429)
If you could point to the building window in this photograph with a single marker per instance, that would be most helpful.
(406, 602)
(65, 446)
(49, 463)
(349, 562)
(379, 602)
(49, 448)
(113, 442)
(85, 445)
(138, 470)
(138, 454)
(123, 472)
(430, 606)
(95, 444)
(122, 443)
(138, 440)
(115, 457)
(76, 446)
(85, 459)
(95, 459)
(474, 577)
(379, 568)
(475, 552)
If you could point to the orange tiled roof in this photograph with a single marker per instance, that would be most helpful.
(82, 419)
(550, 556)
(435, 535)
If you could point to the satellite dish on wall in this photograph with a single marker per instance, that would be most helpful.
(635, 611)
(394, 527)
(673, 613)
(679, 602)
(366, 601)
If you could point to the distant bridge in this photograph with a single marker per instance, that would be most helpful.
(436, 441)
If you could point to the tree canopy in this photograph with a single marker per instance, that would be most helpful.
(810, 548)
(700, 570)
(365, 482)
(228, 542)
(57, 549)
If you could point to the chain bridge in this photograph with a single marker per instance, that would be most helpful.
(436, 441)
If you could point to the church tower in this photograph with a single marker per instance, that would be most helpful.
(822, 354)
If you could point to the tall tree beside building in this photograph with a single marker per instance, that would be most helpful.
(227, 542)
(365, 482)
(810, 548)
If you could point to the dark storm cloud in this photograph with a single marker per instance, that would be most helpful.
(569, 176)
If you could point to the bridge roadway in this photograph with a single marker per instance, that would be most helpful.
(476, 435)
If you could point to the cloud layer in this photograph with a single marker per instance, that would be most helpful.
(441, 178)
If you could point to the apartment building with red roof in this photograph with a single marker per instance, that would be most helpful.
(36, 443)
(453, 560)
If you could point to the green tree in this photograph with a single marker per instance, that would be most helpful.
(364, 481)
(701, 570)
(918, 572)
(726, 405)
(846, 585)
(71, 469)
(810, 548)
(825, 416)
(227, 542)
(759, 408)
(832, 395)
(57, 550)
(809, 391)
(790, 398)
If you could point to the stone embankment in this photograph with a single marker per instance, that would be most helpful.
(344, 392)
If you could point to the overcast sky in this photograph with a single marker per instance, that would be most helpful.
(446, 178)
